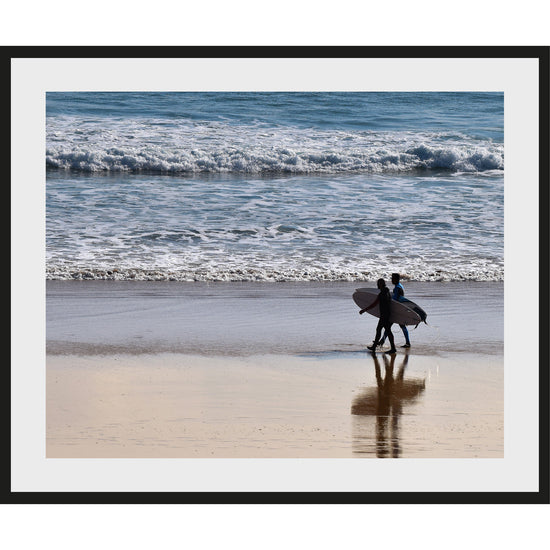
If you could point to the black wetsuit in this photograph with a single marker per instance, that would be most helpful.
(384, 304)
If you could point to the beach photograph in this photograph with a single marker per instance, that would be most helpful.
(274, 275)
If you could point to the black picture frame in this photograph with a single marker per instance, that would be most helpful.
(542, 496)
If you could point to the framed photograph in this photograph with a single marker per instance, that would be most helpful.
(258, 275)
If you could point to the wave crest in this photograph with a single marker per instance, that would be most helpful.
(276, 160)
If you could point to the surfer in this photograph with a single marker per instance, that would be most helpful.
(398, 292)
(384, 301)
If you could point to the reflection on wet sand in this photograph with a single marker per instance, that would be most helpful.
(385, 402)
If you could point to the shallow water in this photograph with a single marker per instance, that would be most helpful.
(314, 319)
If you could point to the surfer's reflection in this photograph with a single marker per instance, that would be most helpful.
(385, 402)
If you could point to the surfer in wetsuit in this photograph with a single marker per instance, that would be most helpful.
(384, 303)
(398, 291)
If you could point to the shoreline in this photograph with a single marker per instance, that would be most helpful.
(236, 275)
(243, 319)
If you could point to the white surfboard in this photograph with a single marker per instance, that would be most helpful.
(402, 312)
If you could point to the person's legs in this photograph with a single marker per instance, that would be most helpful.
(406, 335)
(390, 338)
(379, 328)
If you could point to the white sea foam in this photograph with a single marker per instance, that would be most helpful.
(184, 147)
(470, 272)
(285, 228)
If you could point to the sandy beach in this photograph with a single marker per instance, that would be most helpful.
(249, 370)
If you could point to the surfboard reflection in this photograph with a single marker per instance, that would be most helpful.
(385, 402)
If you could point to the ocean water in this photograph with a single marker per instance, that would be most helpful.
(275, 186)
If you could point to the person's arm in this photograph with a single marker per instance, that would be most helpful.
(369, 307)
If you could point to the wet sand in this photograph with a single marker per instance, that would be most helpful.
(274, 406)
(172, 370)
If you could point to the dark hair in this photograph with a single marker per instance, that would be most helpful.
(396, 276)
(381, 281)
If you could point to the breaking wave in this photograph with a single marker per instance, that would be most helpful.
(276, 161)
(191, 148)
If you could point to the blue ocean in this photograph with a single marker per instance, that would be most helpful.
(275, 186)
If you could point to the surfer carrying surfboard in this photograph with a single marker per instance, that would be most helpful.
(384, 303)
(398, 292)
